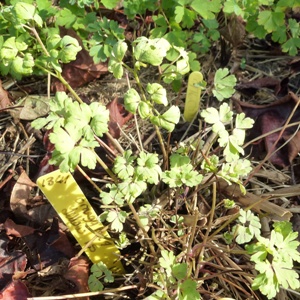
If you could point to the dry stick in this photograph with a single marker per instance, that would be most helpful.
(271, 151)
(270, 132)
(81, 295)
(12, 159)
(115, 143)
(209, 225)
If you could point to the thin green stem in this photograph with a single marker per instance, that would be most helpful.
(141, 226)
(161, 142)
(106, 168)
(67, 85)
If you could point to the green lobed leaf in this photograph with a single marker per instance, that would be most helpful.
(179, 270)
(62, 140)
(119, 50)
(207, 8)
(188, 290)
(148, 167)
(100, 118)
(150, 51)
(27, 11)
(9, 49)
(110, 4)
(123, 165)
(114, 195)
(270, 20)
(169, 119)
(291, 46)
(242, 122)
(115, 67)
(132, 189)
(95, 285)
(223, 84)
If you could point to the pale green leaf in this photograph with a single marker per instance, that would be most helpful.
(131, 100)
(223, 84)
(158, 93)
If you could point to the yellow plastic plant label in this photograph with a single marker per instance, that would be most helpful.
(68, 200)
(193, 94)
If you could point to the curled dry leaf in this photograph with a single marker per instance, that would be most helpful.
(21, 194)
(17, 230)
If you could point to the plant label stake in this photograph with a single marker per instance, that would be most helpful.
(193, 94)
(76, 212)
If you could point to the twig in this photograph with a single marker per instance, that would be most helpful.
(81, 295)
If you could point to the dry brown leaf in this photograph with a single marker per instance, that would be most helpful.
(17, 230)
(23, 203)
(21, 194)
(78, 272)
(4, 98)
(118, 116)
(283, 147)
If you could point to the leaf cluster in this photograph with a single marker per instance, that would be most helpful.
(20, 52)
(175, 277)
(234, 167)
(270, 19)
(99, 272)
(135, 173)
(274, 259)
(73, 128)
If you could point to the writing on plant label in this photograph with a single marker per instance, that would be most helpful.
(68, 200)
(192, 98)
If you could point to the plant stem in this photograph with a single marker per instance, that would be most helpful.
(67, 85)
(162, 146)
(106, 168)
(139, 223)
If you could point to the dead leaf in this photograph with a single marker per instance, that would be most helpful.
(80, 71)
(21, 194)
(17, 230)
(37, 245)
(34, 107)
(118, 116)
(16, 290)
(78, 272)
(4, 98)
(271, 117)
(26, 206)
(259, 203)
(277, 87)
